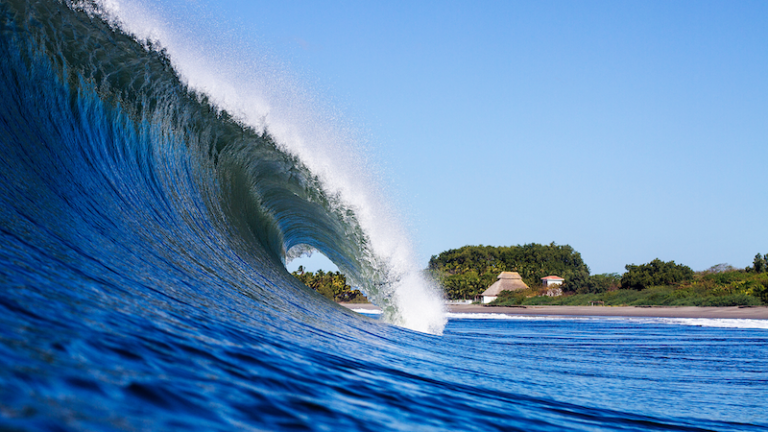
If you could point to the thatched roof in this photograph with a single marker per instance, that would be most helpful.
(506, 281)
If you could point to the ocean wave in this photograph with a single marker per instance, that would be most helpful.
(144, 225)
(114, 107)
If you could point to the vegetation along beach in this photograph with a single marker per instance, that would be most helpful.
(466, 272)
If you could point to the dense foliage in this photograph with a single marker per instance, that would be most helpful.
(730, 287)
(759, 264)
(468, 271)
(332, 285)
(655, 273)
(600, 283)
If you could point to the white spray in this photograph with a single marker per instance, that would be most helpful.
(264, 95)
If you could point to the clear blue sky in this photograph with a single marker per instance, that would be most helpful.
(629, 130)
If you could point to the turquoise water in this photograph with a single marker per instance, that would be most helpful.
(142, 285)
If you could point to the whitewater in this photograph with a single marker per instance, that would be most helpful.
(150, 197)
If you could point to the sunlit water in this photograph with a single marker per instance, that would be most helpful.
(136, 367)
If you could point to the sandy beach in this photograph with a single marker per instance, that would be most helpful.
(760, 312)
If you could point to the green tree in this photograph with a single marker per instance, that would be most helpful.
(655, 273)
(600, 283)
(466, 272)
(762, 292)
(759, 264)
(331, 285)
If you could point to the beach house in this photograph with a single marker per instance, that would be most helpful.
(506, 281)
(548, 281)
(553, 284)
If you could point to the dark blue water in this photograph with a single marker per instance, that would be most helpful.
(142, 232)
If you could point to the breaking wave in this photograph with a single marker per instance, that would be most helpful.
(116, 129)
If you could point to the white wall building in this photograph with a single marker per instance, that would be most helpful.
(553, 284)
(548, 281)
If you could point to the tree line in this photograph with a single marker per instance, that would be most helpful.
(466, 272)
(665, 284)
(331, 285)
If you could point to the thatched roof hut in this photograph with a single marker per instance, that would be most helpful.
(506, 281)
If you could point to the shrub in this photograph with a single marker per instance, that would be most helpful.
(600, 283)
(725, 278)
(732, 300)
(510, 298)
(657, 272)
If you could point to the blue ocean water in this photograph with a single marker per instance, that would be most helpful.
(142, 285)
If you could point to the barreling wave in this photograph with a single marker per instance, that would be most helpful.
(99, 129)
(143, 230)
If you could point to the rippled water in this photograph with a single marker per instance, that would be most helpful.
(331, 371)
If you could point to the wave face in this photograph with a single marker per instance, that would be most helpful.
(117, 132)
(143, 233)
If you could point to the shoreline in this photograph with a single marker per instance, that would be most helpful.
(732, 312)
